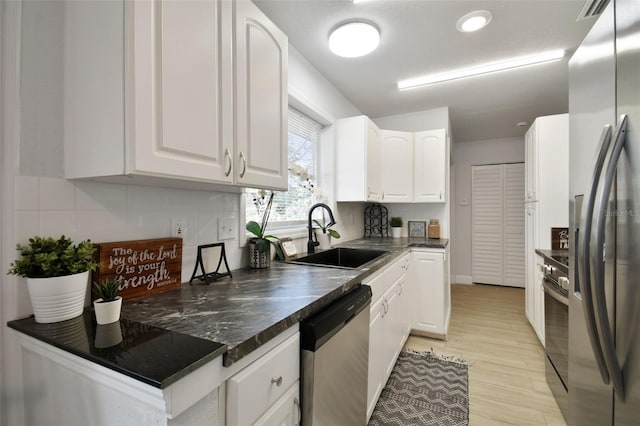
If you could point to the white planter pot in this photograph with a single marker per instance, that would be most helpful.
(107, 312)
(396, 231)
(58, 298)
(324, 240)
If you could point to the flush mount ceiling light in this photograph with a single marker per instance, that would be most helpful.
(353, 39)
(474, 21)
(521, 61)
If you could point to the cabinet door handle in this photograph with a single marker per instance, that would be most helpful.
(440, 196)
(296, 404)
(227, 157)
(244, 164)
(368, 192)
(383, 195)
(277, 380)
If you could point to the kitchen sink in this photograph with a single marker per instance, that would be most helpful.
(340, 257)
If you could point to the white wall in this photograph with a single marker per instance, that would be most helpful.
(437, 118)
(465, 155)
(36, 200)
(313, 94)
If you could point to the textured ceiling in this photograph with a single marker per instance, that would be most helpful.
(420, 36)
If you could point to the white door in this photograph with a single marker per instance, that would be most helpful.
(374, 191)
(487, 224)
(429, 293)
(396, 166)
(261, 100)
(181, 116)
(376, 354)
(430, 166)
(498, 225)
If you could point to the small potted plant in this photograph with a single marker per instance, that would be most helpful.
(396, 226)
(325, 238)
(108, 304)
(57, 273)
(260, 246)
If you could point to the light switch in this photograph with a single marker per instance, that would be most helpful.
(227, 229)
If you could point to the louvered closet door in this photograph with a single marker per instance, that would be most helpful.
(487, 209)
(514, 226)
(498, 225)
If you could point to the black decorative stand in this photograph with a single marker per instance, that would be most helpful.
(210, 277)
(376, 221)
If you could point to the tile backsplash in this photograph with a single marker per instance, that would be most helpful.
(105, 212)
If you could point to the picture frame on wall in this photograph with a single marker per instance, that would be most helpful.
(417, 229)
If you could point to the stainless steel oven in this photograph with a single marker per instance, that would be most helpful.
(556, 323)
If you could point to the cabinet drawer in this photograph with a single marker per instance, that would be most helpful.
(378, 283)
(397, 269)
(256, 388)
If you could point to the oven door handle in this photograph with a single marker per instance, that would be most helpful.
(548, 288)
(598, 262)
(583, 252)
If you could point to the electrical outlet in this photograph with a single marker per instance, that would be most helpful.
(179, 227)
(227, 229)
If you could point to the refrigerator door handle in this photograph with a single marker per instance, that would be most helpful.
(583, 252)
(598, 262)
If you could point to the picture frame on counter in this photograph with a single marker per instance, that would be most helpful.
(417, 229)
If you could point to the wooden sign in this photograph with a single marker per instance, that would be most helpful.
(559, 238)
(144, 266)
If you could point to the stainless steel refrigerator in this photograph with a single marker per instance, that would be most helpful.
(604, 304)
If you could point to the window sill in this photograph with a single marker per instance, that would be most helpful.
(293, 233)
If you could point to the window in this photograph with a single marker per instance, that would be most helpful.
(291, 208)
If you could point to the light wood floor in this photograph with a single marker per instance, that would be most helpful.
(507, 384)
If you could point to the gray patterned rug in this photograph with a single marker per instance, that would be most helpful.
(424, 389)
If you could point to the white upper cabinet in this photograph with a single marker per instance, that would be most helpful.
(396, 166)
(261, 96)
(150, 85)
(358, 160)
(181, 121)
(430, 166)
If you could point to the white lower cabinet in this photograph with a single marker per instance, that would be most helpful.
(267, 391)
(285, 412)
(389, 325)
(431, 300)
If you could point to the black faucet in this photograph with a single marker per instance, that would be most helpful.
(311, 245)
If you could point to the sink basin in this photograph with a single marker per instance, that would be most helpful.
(340, 257)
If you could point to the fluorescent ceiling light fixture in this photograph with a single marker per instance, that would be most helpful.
(521, 61)
(354, 39)
(474, 21)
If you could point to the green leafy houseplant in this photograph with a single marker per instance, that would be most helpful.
(47, 257)
(107, 290)
(326, 229)
(395, 222)
(261, 240)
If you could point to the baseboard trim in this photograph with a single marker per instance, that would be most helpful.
(463, 279)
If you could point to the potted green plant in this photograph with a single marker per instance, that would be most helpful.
(260, 245)
(325, 238)
(396, 226)
(108, 304)
(57, 273)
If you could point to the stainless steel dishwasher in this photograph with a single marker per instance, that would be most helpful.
(335, 361)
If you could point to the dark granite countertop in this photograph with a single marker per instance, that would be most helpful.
(186, 327)
(153, 355)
